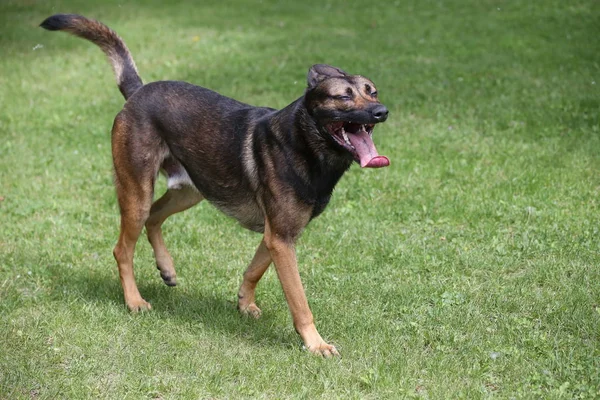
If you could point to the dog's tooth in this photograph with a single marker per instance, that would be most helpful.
(346, 139)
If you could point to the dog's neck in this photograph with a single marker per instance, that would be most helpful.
(325, 162)
(305, 131)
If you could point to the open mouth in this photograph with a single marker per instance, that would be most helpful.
(357, 139)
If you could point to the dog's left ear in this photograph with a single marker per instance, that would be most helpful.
(319, 72)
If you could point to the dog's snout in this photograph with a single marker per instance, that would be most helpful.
(380, 113)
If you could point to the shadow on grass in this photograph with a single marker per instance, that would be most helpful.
(189, 307)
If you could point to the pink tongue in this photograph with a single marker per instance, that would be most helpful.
(369, 158)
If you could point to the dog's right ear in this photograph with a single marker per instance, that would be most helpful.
(319, 72)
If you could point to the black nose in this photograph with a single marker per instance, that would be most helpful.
(380, 113)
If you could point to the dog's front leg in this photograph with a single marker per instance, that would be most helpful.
(283, 254)
(255, 271)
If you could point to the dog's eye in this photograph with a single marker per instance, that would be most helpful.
(371, 91)
(348, 96)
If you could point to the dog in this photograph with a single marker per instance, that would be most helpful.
(272, 170)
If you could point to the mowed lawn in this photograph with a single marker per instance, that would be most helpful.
(467, 269)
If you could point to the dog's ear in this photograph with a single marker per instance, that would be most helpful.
(319, 72)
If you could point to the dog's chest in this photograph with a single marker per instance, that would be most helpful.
(317, 191)
(319, 205)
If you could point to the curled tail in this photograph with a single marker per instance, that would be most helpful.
(112, 45)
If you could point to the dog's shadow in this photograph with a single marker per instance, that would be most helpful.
(191, 308)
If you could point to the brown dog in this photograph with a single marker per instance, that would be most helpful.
(272, 170)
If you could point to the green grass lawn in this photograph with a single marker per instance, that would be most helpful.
(467, 269)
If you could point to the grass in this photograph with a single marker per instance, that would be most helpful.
(468, 269)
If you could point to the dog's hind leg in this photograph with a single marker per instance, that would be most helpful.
(173, 201)
(136, 160)
(255, 271)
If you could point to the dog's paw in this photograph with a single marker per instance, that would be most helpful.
(168, 275)
(169, 280)
(323, 349)
(138, 305)
(250, 310)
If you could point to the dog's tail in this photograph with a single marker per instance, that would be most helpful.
(112, 45)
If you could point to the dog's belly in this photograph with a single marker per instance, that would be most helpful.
(248, 214)
(243, 208)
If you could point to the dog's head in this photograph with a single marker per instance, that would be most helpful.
(346, 109)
